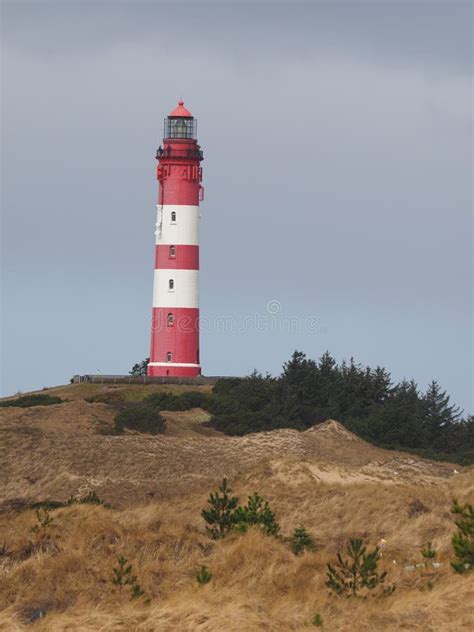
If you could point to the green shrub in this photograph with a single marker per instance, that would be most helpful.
(140, 417)
(225, 515)
(221, 515)
(317, 620)
(123, 576)
(140, 368)
(256, 512)
(428, 552)
(182, 401)
(463, 540)
(113, 398)
(27, 401)
(301, 541)
(203, 576)
(44, 518)
(89, 499)
(226, 385)
(195, 399)
(357, 572)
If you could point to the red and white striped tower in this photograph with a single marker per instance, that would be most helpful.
(175, 320)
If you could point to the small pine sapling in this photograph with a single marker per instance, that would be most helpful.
(123, 577)
(45, 520)
(221, 515)
(317, 620)
(123, 574)
(301, 541)
(257, 512)
(428, 552)
(203, 576)
(463, 540)
(357, 572)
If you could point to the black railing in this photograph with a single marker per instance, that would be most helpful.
(128, 379)
(192, 153)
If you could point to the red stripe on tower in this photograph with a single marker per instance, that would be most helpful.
(177, 257)
(175, 322)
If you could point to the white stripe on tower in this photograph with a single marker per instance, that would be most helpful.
(176, 288)
(177, 224)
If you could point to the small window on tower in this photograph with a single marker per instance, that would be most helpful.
(170, 319)
(171, 284)
(173, 217)
(172, 251)
(169, 356)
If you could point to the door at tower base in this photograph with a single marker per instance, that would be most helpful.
(175, 342)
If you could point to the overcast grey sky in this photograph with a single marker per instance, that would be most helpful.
(338, 173)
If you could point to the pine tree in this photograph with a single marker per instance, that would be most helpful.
(257, 512)
(140, 368)
(399, 421)
(203, 576)
(301, 541)
(437, 416)
(357, 572)
(221, 515)
(297, 386)
(463, 540)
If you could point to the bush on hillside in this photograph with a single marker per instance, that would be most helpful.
(224, 514)
(221, 513)
(139, 369)
(140, 417)
(181, 401)
(32, 400)
(256, 512)
(115, 399)
(301, 541)
(358, 572)
(203, 575)
(463, 540)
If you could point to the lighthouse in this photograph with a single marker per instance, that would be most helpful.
(175, 318)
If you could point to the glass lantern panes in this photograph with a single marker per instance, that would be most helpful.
(180, 127)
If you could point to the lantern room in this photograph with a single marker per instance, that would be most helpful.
(180, 124)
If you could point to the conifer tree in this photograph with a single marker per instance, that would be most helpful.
(221, 515)
(357, 572)
(140, 368)
(301, 541)
(463, 540)
(257, 512)
(438, 415)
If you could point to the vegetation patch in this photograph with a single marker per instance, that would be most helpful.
(225, 515)
(364, 399)
(463, 540)
(141, 417)
(357, 573)
(26, 401)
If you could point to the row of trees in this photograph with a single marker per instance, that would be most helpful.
(365, 399)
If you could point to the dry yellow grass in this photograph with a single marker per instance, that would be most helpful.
(333, 483)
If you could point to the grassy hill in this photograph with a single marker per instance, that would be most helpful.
(326, 478)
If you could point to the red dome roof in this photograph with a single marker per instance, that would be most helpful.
(181, 111)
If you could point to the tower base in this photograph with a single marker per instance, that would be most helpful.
(163, 369)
